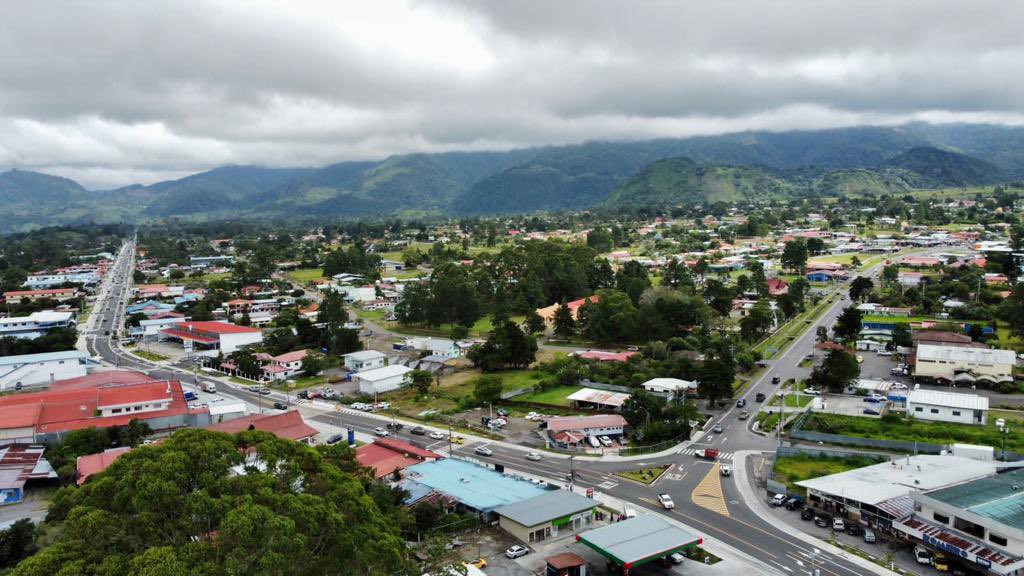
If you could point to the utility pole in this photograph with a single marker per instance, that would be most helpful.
(782, 415)
(572, 473)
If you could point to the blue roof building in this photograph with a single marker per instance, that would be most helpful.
(471, 485)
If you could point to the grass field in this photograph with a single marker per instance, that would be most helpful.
(910, 430)
(207, 278)
(555, 396)
(306, 275)
(793, 469)
(644, 475)
(151, 356)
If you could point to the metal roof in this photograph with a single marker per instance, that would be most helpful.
(999, 497)
(593, 396)
(547, 507)
(364, 355)
(948, 399)
(475, 486)
(961, 354)
(638, 540)
(382, 373)
(43, 357)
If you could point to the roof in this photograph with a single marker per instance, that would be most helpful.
(288, 425)
(960, 354)
(564, 560)
(216, 327)
(887, 480)
(948, 399)
(97, 379)
(674, 384)
(475, 486)
(291, 356)
(385, 455)
(997, 497)
(96, 463)
(604, 356)
(923, 336)
(16, 293)
(44, 357)
(364, 355)
(382, 373)
(598, 397)
(551, 505)
(22, 462)
(107, 396)
(633, 541)
(561, 423)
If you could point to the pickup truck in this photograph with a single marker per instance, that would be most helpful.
(706, 453)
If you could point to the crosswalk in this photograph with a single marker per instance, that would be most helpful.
(721, 455)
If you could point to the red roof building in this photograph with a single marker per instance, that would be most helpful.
(387, 455)
(602, 356)
(87, 466)
(59, 294)
(287, 425)
(777, 286)
(222, 336)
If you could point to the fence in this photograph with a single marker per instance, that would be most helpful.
(784, 451)
(652, 448)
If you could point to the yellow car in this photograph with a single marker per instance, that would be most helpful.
(458, 440)
(940, 562)
(860, 359)
(479, 563)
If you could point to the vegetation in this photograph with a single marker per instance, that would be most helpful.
(793, 469)
(644, 475)
(893, 427)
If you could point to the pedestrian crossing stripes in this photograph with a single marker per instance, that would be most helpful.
(721, 455)
(607, 485)
(708, 493)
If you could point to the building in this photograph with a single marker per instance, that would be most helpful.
(777, 287)
(945, 406)
(85, 278)
(435, 346)
(548, 313)
(197, 262)
(35, 324)
(92, 464)
(386, 456)
(638, 541)
(593, 399)
(364, 360)
(214, 335)
(963, 365)
(287, 425)
(473, 487)
(575, 429)
(58, 294)
(604, 356)
(978, 522)
(879, 495)
(285, 366)
(20, 463)
(149, 329)
(17, 372)
(148, 308)
(380, 380)
(565, 564)
(669, 388)
(550, 515)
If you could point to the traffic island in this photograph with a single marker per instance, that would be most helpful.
(644, 475)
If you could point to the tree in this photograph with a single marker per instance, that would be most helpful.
(890, 274)
(611, 319)
(837, 371)
(313, 363)
(506, 347)
(332, 309)
(848, 325)
(794, 255)
(901, 335)
(487, 389)
(17, 542)
(855, 262)
(815, 245)
(821, 334)
(718, 373)
(600, 239)
(860, 287)
(565, 325)
(420, 380)
(757, 322)
(534, 323)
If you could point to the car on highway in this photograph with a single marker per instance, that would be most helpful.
(706, 453)
(760, 397)
(280, 405)
(776, 380)
(533, 457)
(418, 431)
(263, 391)
(334, 439)
(741, 402)
(872, 411)
(516, 551)
(744, 415)
(396, 426)
(458, 440)
(717, 429)
(666, 501)
(484, 451)
(437, 435)
(380, 431)
(725, 470)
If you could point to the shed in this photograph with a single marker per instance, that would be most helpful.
(380, 380)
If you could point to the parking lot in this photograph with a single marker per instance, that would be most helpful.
(846, 405)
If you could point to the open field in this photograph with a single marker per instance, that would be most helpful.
(910, 430)
(305, 275)
(792, 469)
(555, 396)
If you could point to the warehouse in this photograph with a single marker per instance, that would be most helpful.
(963, 365)
(17, 372)
(944, 406)
(380, 380)
(550, 515)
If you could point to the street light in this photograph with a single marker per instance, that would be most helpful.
(1003, 433)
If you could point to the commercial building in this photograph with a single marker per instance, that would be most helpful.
(214, 335)
(945, 406)
(58, 294)
(288, 425)
(27, 370)
(573, 429)
(85, 278)
(638, 541)
(20, 463)
(380, 380)
(473, 487)
(35, 324)
(963, 365)
(669, 388)
(389, 455)
(979, 522)
(550, 515)
(364, 360)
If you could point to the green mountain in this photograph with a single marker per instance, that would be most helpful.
(229, 188)
(945, 168)
(683, 181)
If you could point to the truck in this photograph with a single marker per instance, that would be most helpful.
(210, 387)
(191, 396)
(706, 453)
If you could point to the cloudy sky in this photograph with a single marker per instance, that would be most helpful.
(115, 92)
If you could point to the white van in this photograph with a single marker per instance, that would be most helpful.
(594, 441)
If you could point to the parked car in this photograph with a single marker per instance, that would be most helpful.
(744, 415)
(794, 503)
(940, 562)
(821, 521)
(807, 514)
(533, 457)
(759, 397)
(666, 501)
(502, 412)
(838, 525)
(334, 439)
(741, 402)
(726, 470)
(418, 430)
(717, 429)
(479, 563)
(869, 536)
(676, 558)
(605, 441)
(884, 353)
(437, 435)
(516, 551)
(484, 451)
(280, 405)
(872, 411)
(380, 431)
(812, 391)
(854, 529)
(778, 500)
(922, 555)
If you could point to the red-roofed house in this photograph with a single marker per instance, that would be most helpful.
(603, 356)
(58, 294)
(91, 464)
(575, 429)
(288, 425)
(388, 455)
(777, 286)
(221, 336)
(285, 366)
(548, 313)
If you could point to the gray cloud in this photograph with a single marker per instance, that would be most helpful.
(113, 92)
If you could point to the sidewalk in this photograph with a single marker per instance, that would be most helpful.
(760, 507)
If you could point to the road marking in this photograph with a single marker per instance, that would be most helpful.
(708, 493)
(607, 485)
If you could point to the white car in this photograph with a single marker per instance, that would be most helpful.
(884, 353)
(605, 441)
(516, 551)
(726, 470)
(484, 451)
(666, 501)
(838, 525)
(437, 435)
(532, 416)
(533, 457)
(922, 555)
(812, 391)
(380, 431)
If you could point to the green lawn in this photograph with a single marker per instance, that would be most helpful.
(555, 396)
(911, 430)
(207, 278)
(793, 469)
(306, 275)
(151, 356)
(644, 475)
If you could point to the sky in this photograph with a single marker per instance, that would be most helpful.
(113, 92)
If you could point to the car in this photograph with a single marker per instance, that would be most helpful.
(717, 429)
(280, 405)
(533, 457)
(940, 562)
(872, 411)
(779, 499)
(726, 470)
(884, 353)
(676, 558)
(869, 536)
(794, 503)
(776, 379)
(874, 398)
(821, 521)
(854, 529)
(380, 431)
(458, 440)
(502, 413)
(382, 406)
(532, 416)
(807, 514)
(304, 394)
(454, 544)
(759, 397)
(436, 435)
(516, 551)
(812, 391)
(744, 415)
(418, 431)
(838, 525)
(484, 451)
(479, 563)
(860, 359)
(666, 501)
(922, 555)
(605, 441)
(263, 391)
(334, 439)
(396, 426)
(741, 402)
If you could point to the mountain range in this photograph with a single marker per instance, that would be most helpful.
(748, 165)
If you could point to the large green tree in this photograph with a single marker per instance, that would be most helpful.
(848, 325)
(838, 370)
(794, 255)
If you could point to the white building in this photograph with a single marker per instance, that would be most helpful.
(669, 388)
(964, 365)
(436, 346)
(150, 328)
(285, 366)
(26, 370)
(211, 335)
(380, 380)
(364, 360)
(35, 324)
(947, 406)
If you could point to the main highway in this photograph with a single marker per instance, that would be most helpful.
(705, 501)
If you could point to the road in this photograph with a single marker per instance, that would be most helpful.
(703, 501)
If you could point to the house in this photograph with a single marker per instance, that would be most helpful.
(285, 366)
(221, 336)
(20, 463)
(548, 313)
(364, 360)
(777, 287)
(35, 324)
(58, 294)
(603, 356)
(148, 308)
(387, 266)
(386, 456)
(17, 372)
(92, 464)
(436, 346)
(879, 310)
(943, 406)
(550, 515)
(909, 278)
(920, 262)
(991, 278)
(825, 267)
(575, 429)
(380, 380)
(287, 425)
(961, 364)
(669, 388)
